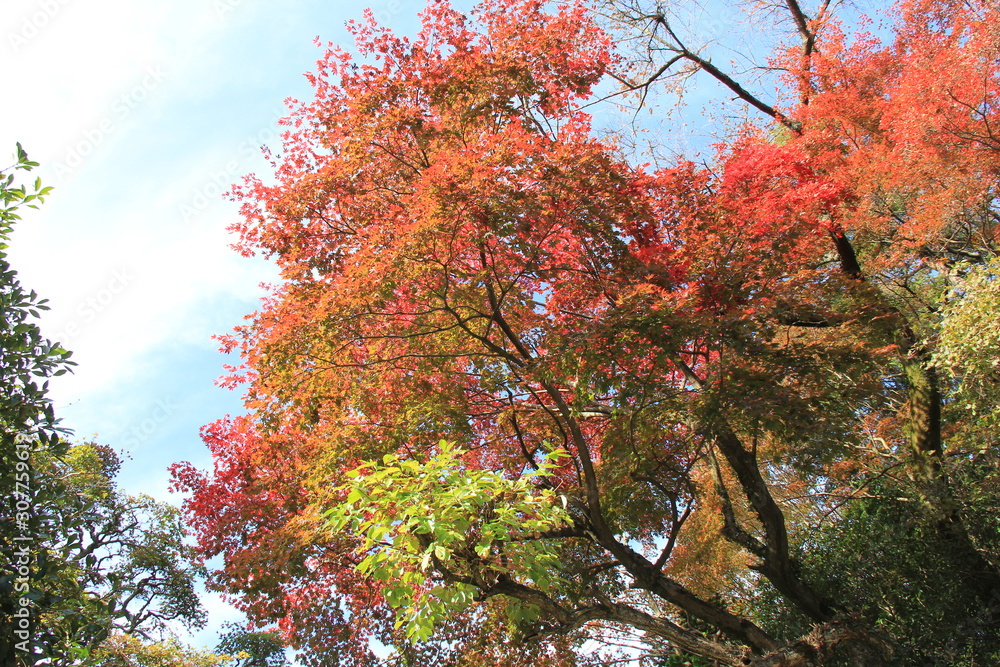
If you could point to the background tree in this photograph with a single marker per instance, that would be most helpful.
(252, 648)
(106, 562)
(539, 389)
(122, 650)
(114, 562)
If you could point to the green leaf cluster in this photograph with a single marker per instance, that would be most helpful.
(885, 560)
(969, 348)
(27, 359)
(434, 531)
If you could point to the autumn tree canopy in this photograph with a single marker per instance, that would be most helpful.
(517, 390)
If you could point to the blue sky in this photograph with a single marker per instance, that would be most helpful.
(141, 114)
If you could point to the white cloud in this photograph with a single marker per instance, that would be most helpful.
(125, 272)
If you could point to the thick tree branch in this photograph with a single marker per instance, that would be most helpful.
(677, 46)
(777, 566)
(731, 529)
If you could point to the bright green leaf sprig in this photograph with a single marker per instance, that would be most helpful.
(437, 533)
(13, 196)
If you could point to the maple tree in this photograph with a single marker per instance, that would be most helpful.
(516, 392)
